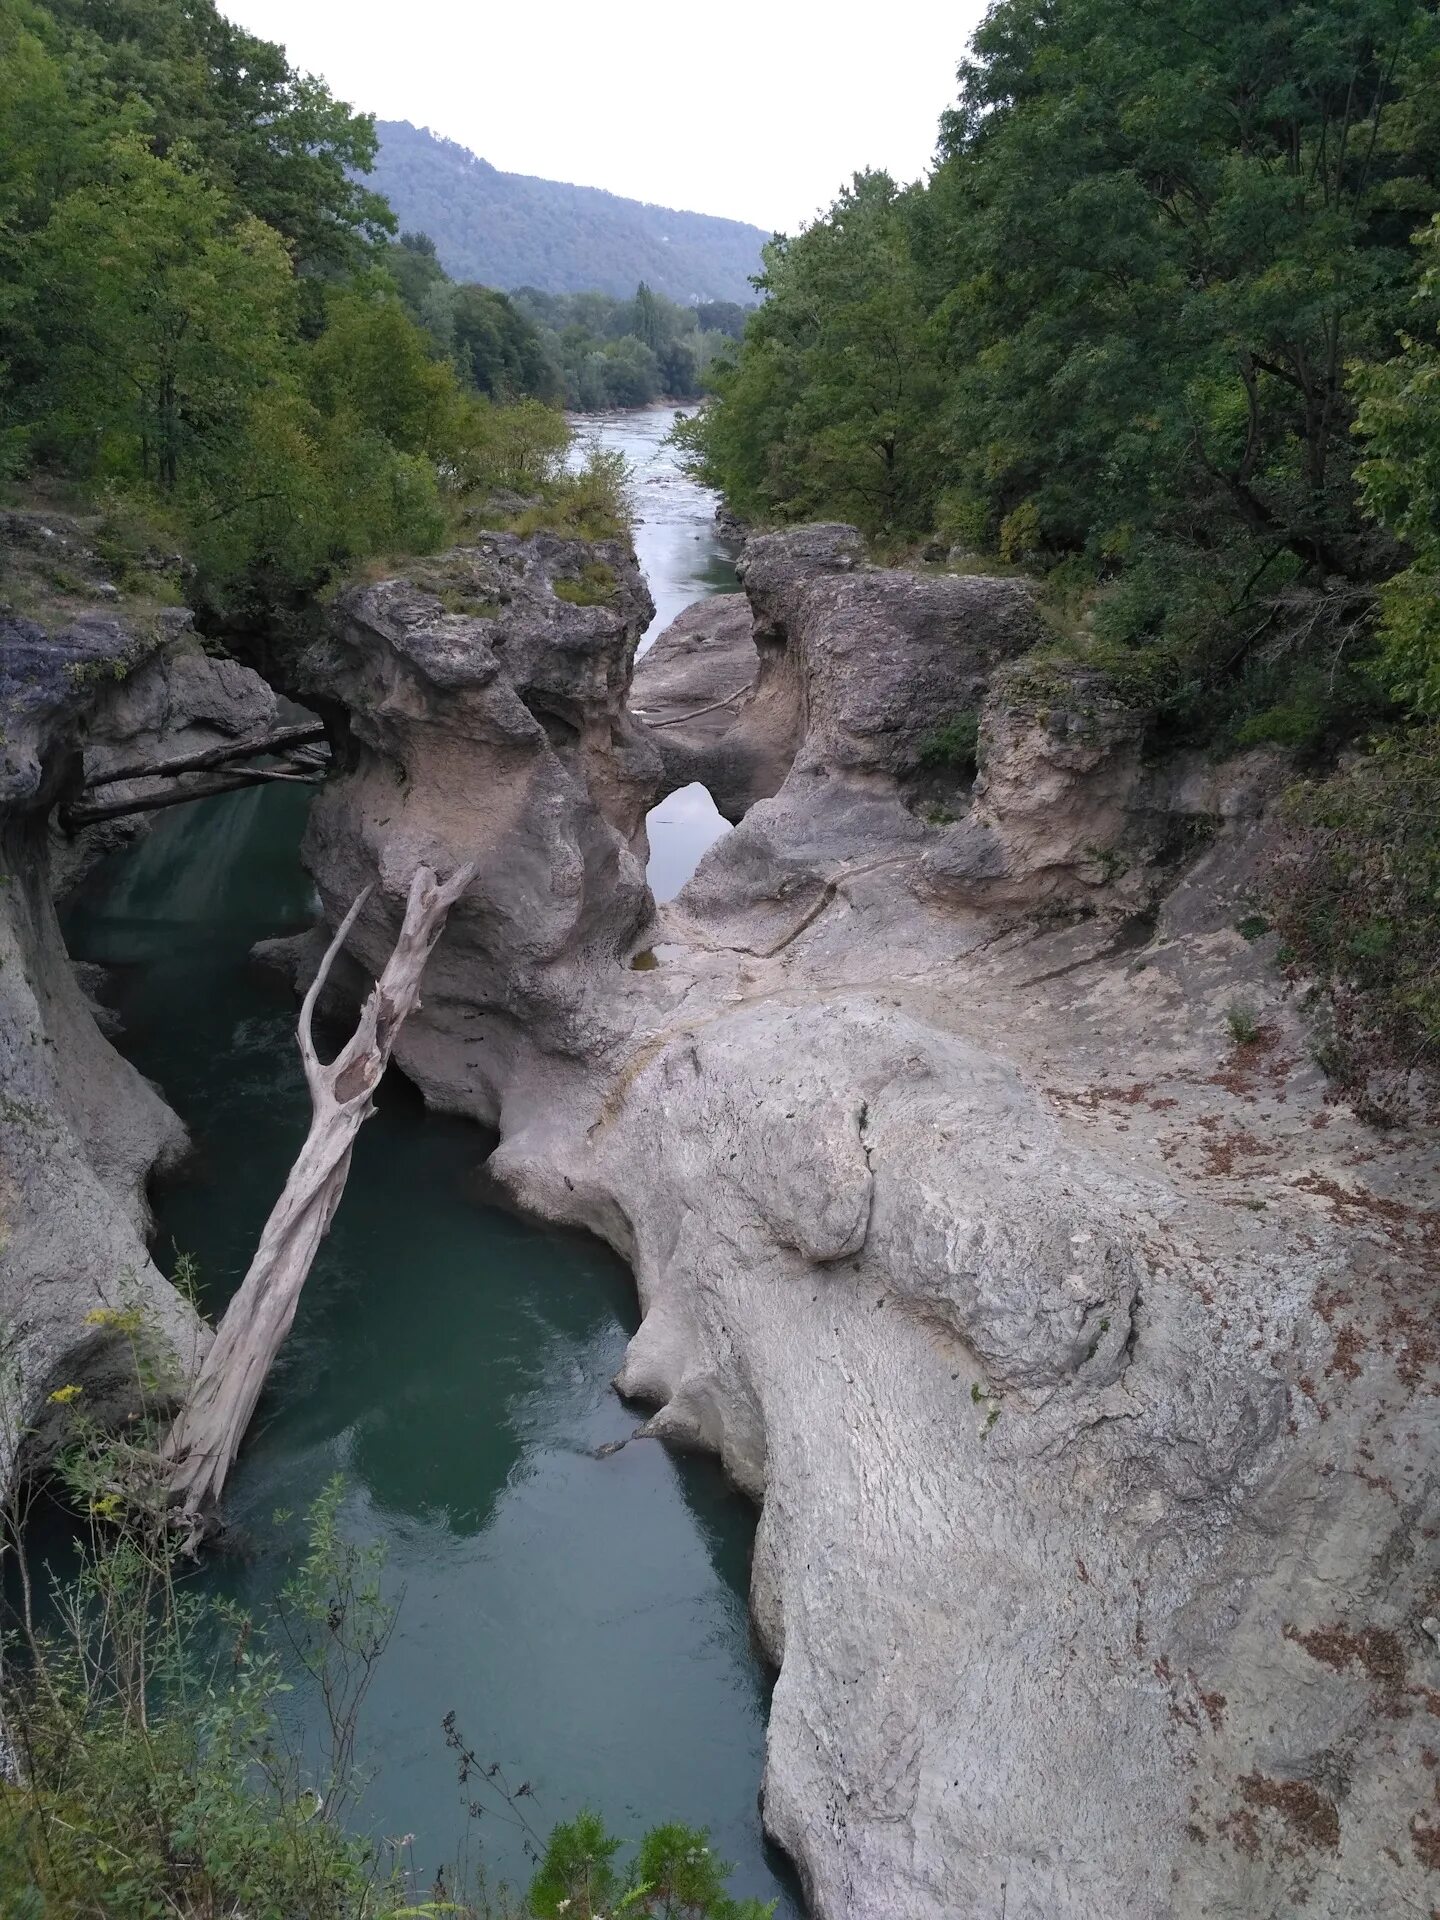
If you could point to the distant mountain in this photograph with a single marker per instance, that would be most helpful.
(510, 230)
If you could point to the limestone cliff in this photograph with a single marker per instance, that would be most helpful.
(88, 678)
(1078, 1357)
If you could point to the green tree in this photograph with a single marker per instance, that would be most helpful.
(832, 404)
(647, 325)
(162, 315)
(632, 373)
(1399, 424)
(275, 139)
(1113, 337)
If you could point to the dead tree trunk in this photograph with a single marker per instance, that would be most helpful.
(201, 1445)
(278, 740)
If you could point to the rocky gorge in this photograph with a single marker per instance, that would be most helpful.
(1077, 1350)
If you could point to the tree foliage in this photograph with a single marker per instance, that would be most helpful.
(199, 308)
(1119, 336)
(158, 1771)
(608, 352)
(1399, 427)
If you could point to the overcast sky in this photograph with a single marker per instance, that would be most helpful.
(759, 109)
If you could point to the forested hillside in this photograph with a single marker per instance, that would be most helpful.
(510, 230)
(1161, 329)
(204, 327)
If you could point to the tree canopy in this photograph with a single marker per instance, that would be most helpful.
(201, 311)
(1156, 328)
(609, 352)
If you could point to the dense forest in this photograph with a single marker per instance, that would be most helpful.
(509, 230)
(626, 353)
(1161, 330)
(584, 350)
(205, 325)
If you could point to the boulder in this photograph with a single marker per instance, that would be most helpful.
(487, 719)
(865, 669)
(1067, 812)
(1055, 804)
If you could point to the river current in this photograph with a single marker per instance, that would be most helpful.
(584, 1617)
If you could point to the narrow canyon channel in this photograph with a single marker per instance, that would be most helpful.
(683, 560)
(583, 1613)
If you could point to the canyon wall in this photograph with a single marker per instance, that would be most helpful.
(1077, 1353)
(89, 679)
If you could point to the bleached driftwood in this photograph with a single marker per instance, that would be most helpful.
(205, 1437)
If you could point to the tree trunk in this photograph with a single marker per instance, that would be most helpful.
(85, 814)
(205, 1438)
(279, 740)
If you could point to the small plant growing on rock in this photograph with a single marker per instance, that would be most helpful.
(1244, 1027)
(596, 587)
(954, 746)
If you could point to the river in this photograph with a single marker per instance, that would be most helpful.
(584, 1617)
(683, 560)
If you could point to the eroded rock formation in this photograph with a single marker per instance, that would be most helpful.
(80, 1130)
(1078, 1356)
(696, 695)
(486, 699)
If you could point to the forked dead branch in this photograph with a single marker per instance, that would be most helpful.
(206, 1435)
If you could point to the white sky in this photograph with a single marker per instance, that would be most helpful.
(759, 109)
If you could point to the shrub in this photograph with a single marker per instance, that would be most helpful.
(519, 448)
(592, 504)
(1354, 894)
(152, 1772)
(954, 745)
(596, 586)
(1244, 1027)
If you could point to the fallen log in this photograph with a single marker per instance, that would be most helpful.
(84, 814)
(278, 740)
(204, 1439)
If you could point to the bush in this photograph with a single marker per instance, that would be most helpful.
(151, 1770)
(519, 448)
(592, 504)
(1355, 896)
(953, 746)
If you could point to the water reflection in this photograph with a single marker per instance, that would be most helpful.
(584, 1616)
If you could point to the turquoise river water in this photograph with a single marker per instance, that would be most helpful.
(584, 1617)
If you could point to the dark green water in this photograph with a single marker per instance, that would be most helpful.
(584, 1618)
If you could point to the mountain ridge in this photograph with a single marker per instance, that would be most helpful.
(515, 229)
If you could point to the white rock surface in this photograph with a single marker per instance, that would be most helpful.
(81, 1132)
(1083, 1364)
